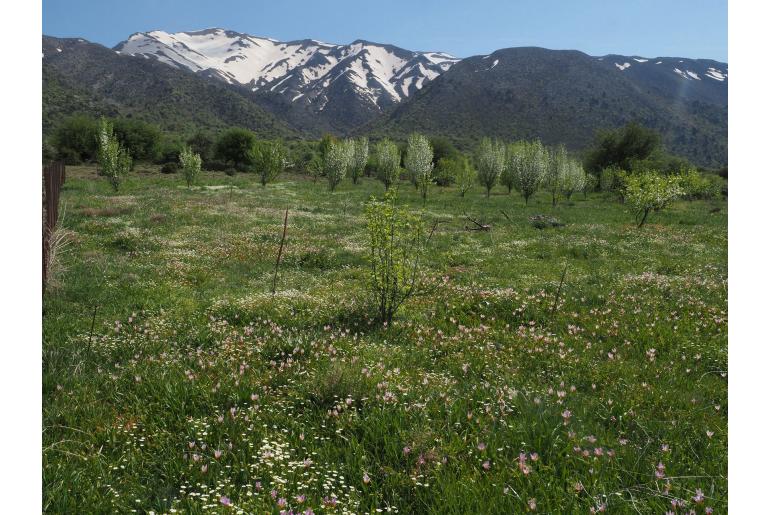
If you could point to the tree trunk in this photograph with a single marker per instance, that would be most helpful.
(644, 218)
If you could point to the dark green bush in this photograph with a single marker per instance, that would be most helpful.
(169, 168)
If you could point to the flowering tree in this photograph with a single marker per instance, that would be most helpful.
(512, 163)
(191, 165)
(114, 160)
(360, 157)
(528, 162)
(574, 178)
(556, 172)
(419, 161)
(387, 161)
(337, 160)
(649, 192)
(396, 242)
(268, 159)
(491, 162)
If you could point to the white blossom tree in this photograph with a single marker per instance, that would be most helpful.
(490, 162)
(419, 161)
(556, 171)
(529, 163)
(337, 160)
(648, 192)
(387, 161)
(360, 157)
(574, 178)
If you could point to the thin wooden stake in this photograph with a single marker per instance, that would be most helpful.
(91, 333)
(505, 215)
(280, 249)
(558, 292)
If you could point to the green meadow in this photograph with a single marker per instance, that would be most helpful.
(175, 381)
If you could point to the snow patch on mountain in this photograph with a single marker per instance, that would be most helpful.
(623, 66)
(713, 73)
(381, 74)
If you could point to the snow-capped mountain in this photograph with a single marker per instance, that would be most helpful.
(302, 71)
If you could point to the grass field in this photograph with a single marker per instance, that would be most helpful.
(199, 391)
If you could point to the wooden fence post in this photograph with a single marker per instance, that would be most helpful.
(53, 179)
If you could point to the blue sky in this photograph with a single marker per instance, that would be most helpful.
(650, 28)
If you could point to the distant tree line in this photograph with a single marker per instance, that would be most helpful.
(524, 166)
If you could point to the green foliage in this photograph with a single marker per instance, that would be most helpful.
(395, 247)
(202, 143)
(114, 161)
(650, 192)
(419, 162)
(490, 162)
(444, 173)
(141, 139)
(696, 185)
(619, 147)
(75, 140)
(315, 167)
(387, 162)
(591, 184)
(456, 170)
(612, 180)
(659, 161)
(326, 142)
(233, 146)
(190, 163)
(169, 168)
(337, 160)
(464, 174)
(267, 159)
(168, 149)
(442, 148)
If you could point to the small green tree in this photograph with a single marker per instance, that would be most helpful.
(360, 158)
(396, 242)
(650, 192)
(337, 160)
(114, 160)
(490, 159)
(268, 159)
(315, 167)
(419, 161)
(190, 162)
(464, 174)
(387, 162)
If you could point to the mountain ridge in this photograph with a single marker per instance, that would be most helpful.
(306, 87)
